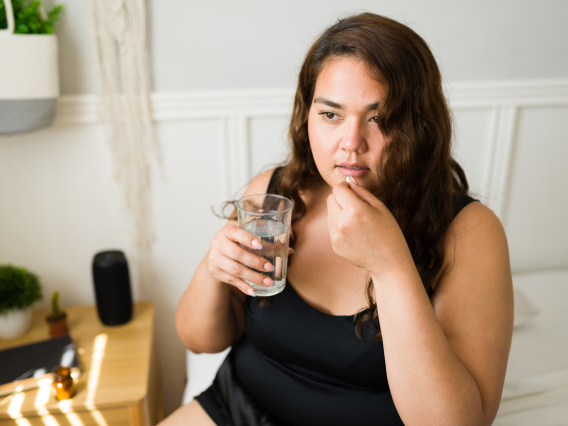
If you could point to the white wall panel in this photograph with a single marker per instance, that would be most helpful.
(268, 146)
(472, 145)
(236, 155)
(536, 214)
(184, 191)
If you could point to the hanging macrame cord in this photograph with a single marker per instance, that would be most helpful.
(120, 35)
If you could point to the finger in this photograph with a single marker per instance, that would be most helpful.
(333, 208)
(364, 194)
(333, 211)
(241, 236)
(238, 283)
(291, 250)
(239, 270)
(242, 255)
(345, 197)
(351, 179)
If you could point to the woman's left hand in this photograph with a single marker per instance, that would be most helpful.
(364, 232)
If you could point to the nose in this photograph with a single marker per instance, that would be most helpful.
(353, 139)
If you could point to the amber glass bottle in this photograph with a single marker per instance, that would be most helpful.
(63, 383)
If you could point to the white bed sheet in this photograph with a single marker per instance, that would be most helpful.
(201, 370)
(536, 386)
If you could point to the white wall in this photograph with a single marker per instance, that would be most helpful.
(260, 44)
(213, 66)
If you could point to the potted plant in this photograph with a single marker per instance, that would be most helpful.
(57, 319)
(29, 75)
(19, 290)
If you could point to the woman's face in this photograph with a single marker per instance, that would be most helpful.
(342, 128)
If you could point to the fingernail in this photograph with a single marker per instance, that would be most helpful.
(257, 244)
(268, 266)
(267, 281)
(292, 250)
(251, 292)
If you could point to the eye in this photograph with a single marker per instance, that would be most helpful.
(374, 119)
(330, 116)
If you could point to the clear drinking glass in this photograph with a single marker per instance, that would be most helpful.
(268, 217)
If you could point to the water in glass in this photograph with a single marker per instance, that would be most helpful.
(273, 236)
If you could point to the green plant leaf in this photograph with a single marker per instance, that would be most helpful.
(22, 29)
(19, 288)
(28, 17)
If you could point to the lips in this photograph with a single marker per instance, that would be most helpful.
(352, 165)
(352, 169)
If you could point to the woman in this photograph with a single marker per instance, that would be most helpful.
(398, 307)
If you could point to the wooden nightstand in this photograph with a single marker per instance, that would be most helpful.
(119, 385)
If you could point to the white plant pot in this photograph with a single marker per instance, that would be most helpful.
(13, 324)
(29, 79)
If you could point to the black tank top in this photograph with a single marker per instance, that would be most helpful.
(298, 366)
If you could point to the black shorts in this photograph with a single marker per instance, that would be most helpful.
(228, 403)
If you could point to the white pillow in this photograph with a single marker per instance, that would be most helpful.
(525, 310)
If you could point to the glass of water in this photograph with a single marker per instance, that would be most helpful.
(268, 217)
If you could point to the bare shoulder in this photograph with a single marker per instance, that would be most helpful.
(473, 300)
(476, 217)
(476, 235)
(477, 257)
(259, 183)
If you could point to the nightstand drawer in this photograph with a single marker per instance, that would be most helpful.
(110, 417)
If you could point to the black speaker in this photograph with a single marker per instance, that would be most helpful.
(112, 287)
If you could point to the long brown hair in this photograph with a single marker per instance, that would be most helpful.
(418, 176)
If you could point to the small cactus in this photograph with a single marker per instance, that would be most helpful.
(55, 311)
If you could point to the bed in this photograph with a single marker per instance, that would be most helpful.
(536, 386)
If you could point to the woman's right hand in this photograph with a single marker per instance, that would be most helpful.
(229, 263)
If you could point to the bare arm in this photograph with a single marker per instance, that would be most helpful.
(210, 314)
(446, 360)
(446, 363)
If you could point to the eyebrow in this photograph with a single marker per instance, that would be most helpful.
(321, 100)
